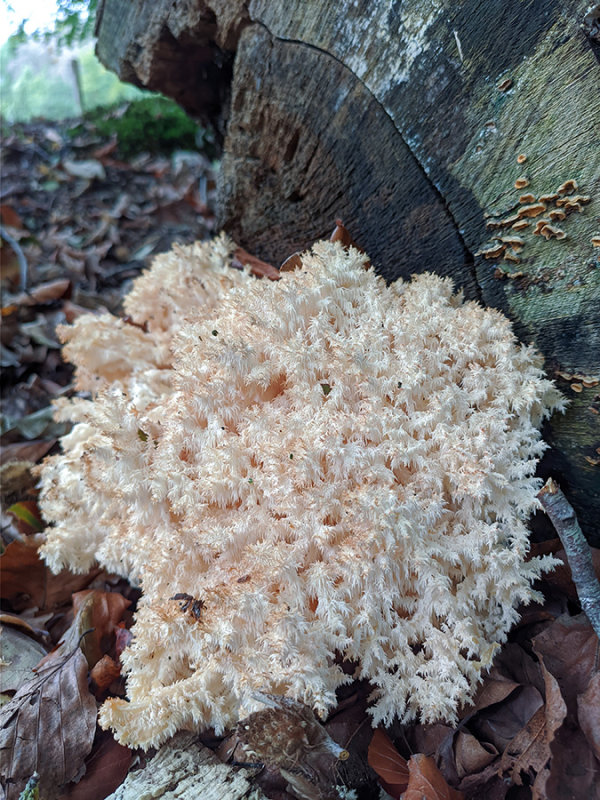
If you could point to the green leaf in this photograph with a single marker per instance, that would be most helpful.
(24, 512)
(326, 388)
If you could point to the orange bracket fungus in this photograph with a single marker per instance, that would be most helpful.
(287, 539)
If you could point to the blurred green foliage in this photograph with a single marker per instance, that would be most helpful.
(74, 23)
(153, 124)
(55, 75)
(37, 80)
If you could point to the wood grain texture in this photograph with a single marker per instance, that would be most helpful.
(406, 119)
(289, 169)
(183, 768)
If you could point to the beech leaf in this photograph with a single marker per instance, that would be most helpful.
(48, 727)
(471, 755)
(529, 752)
(44, 292)
(387, 762)
(104, 672)
(26, 451)
(26, 580)
(97, 612)
(106, 769)
(262, 269)
(588, 713)
(19, 655)
(426, 782)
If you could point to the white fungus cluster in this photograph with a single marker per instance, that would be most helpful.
(340, 471)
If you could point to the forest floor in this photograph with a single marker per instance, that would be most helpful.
(78, 225)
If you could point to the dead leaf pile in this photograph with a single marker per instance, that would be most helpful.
(77, 211)
(48, 716)
(77, 225)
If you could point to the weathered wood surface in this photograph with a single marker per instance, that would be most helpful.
(183, 769)
(406, 119)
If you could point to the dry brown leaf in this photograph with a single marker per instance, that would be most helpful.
(100, 611)
(529, 752)
(17, 621)
(574, 769)
(556, 711)
(26, 451)
(436, 740)
(19, 654)
(27, 582)
(16, 480)
(387, 762)
(588, 713)
(123, 638)
(432, 739)
(471, 755)
(426, 782)
(106, 149)
(94, 625)
(9, 216)
(514, 663)
(569, 648)
(48, 727)
(485, 785)
(106, 769)
(104, 672)
(526, 750)
(44, 293)
(342, 234)
(291, 263)
(500, 724)
(262, 269)
(561, 578)
(73, 310)
(492, 691)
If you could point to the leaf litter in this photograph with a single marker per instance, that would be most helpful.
(48, 726)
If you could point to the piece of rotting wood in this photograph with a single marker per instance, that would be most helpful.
(185, 768)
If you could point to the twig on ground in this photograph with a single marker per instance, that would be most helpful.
(20, 257)
(577, 550)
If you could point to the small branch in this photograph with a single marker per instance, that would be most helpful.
(20, 257)
(458, 45)
(578, 553)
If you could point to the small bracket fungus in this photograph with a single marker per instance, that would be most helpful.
(528, 207)
(394, 540)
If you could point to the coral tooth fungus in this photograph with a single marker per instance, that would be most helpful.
(394, 538)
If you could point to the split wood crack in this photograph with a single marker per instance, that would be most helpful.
(468, 255)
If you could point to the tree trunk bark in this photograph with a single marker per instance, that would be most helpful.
(425, 126)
